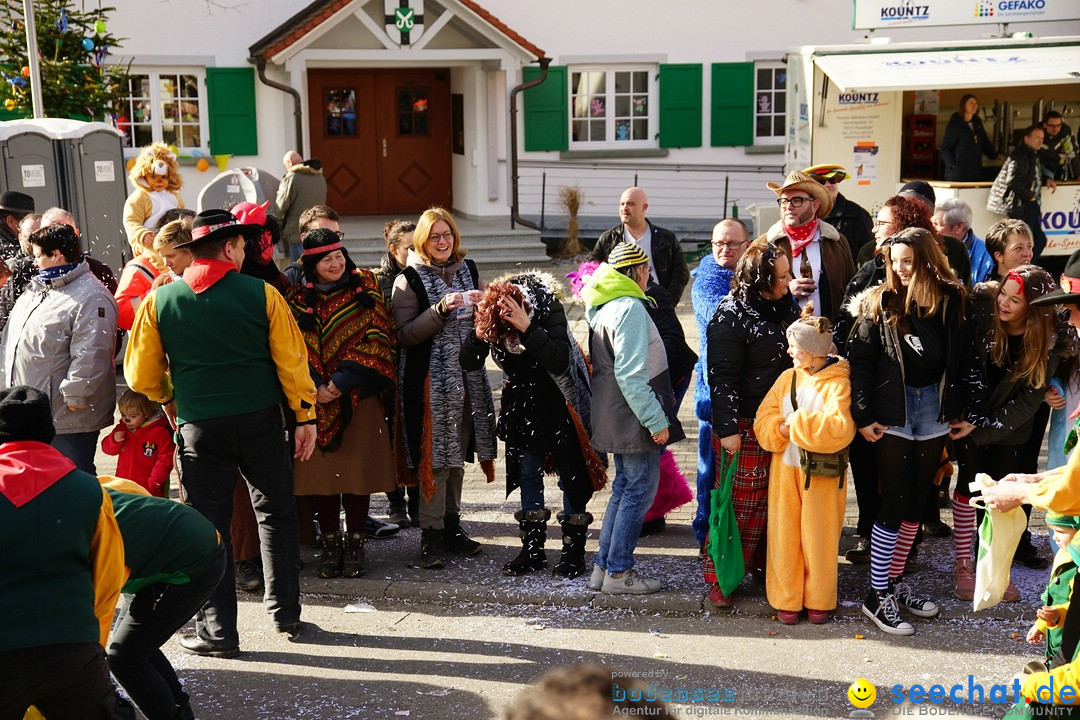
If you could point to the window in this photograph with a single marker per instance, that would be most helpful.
(613, 107)
(167, 106)
(770, 102)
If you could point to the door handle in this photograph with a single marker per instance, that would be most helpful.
(384, 147)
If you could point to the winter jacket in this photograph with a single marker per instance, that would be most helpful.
(680, 357)
(1010, 406)
(955, 253)
(870, 274)
(1059, 155)
(962, 149)
(852, 221)
(711, 284)
(666, 254)
(386, 273)
(303, 187)
(22, 270)
(982, 262)
(877, 368)
(145, 455)
(61, 339)
(632, 397)
(837, 266)
(747, 351)
(135, 282)
(1015, 183)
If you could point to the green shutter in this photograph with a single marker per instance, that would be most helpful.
(230, 95)
(680, 106)
(732, 104)
(547, 110)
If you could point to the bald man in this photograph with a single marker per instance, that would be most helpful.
(302, 187)
(667, 265)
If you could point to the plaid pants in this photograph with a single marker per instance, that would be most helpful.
(749, 497)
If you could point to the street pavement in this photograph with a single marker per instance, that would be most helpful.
(464, 640)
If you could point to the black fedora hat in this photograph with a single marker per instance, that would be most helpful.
(216, 225)
(16, 202)
(1069, 292)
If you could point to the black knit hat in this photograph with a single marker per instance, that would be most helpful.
(25, 414)
(319, 243)
(1069, 292)
(923, 189)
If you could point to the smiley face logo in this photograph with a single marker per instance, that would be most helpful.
(861, 693)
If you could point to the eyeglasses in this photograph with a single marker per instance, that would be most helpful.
(441, 236)
(879, 223)
(795, 202)
(729, 245)
(1053, 126)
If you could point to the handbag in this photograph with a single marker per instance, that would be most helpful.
(829, 465)
(724, 543)
(999, 534)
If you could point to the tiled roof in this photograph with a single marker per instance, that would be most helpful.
(300, 24)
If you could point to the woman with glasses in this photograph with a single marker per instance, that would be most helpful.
(747, 351)
(914, 383)
(965, 143)
(448, 413)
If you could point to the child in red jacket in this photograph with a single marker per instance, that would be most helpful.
(143, 441)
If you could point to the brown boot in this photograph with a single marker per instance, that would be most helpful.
(330, 567)
(964, 580)
(353, 564)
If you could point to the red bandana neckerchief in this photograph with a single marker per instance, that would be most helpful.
(29, 468)
(800, 236)
(203, 273)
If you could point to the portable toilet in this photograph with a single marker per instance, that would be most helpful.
(93, 183)
(239, 185)
(28, 156)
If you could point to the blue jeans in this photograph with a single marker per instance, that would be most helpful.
(636, 477)
(532, 482)
(80, 448)
(923, 411)
(706, 478)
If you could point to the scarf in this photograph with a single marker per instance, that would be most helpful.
(52, 273)
(800, 236)
(350, 334)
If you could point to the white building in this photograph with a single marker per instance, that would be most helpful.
(687, 98)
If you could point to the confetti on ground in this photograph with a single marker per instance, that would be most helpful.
(359, 607)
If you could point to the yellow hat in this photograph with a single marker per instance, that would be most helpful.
(834, 172)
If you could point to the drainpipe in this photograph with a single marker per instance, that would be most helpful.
(260, 65)
(515, 215)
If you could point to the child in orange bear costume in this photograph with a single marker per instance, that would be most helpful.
(805, 518)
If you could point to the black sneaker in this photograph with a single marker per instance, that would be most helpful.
(249, 576)
(377, 529)
(860, 554)
(908, 600)
(880, 606)
(936, 528)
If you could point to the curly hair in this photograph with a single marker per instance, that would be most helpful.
(131, 401)
(909, 212)
(489, 323)
(756, 270)
(150, 156)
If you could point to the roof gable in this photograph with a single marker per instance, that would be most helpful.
(468, 27)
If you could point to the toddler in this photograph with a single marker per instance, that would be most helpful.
(1051, 616)
(143, 441)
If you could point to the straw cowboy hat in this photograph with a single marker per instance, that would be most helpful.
(801, 181)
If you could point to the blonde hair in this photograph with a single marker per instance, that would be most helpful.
(131, 401)
(174, 232)
(423, 231)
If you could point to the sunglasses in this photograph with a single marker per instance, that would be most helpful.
(827, 180)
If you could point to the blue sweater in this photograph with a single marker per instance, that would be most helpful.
(711, 283)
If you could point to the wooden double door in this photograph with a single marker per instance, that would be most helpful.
(383, 137)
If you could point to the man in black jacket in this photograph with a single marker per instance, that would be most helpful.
(847, 216)
(667, 265)
(1016, 190)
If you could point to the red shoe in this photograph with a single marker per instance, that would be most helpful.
(787, 617)
(717, 598)
(818, 617)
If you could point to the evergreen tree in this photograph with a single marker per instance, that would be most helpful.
(74, 46)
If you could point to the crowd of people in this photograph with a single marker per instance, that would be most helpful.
(892, 345)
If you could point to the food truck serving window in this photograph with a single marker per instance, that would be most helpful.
(960, 68)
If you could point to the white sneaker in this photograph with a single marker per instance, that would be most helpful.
(596, 580)
(629, 584)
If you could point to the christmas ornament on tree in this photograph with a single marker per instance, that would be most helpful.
(88, 44)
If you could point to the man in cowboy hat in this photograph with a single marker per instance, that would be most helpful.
(667, 264)
(821, 257)
(223, 353)
(848, 217)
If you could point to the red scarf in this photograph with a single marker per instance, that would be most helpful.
(29, 468)
(800, 236)
(202, 274)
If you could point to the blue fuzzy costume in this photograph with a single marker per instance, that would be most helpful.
(711, 283)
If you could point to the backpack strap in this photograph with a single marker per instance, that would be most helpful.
(474, 273)
(413, 279)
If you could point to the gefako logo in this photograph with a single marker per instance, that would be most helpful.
(905, 10)
(984, 8)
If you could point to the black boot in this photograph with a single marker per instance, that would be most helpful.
(330, 566)
(353, 564)
(575, 529)
(533, 525)
(457, 540)
(432, 549)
